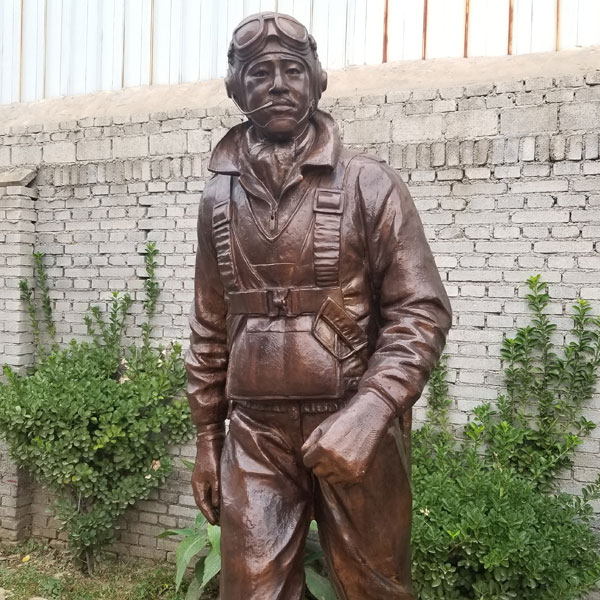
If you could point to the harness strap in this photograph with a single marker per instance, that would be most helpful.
(222, 232)
(289, 302)
(328, 208)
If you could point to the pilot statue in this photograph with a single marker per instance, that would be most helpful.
(318, 315)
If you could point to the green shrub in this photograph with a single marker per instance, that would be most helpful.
(486, 523)
(93, 421)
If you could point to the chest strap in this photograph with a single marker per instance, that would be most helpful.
(279, 302)
(222, 233)
(328, 207)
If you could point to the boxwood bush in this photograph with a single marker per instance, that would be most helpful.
(92, 422)
(489, 521)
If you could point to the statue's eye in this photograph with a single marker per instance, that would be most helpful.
(260, 73)
(293, 71)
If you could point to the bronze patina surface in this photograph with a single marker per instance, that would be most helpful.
(317, 318)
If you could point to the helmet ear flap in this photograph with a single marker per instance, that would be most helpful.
(323, 81)
(229, 83)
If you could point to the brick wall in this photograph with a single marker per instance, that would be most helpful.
(506, 177)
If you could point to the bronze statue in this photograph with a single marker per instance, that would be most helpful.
(318, 316)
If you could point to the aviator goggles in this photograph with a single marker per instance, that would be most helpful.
(250, 35)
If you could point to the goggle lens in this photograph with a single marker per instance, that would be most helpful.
(248, 34)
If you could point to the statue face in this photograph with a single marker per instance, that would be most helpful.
(284, 82)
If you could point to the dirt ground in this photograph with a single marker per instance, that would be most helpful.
(365, 80)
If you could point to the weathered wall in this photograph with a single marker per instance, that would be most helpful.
(506, 177)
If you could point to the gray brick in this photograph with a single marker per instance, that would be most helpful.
(26, 155)
(524, 121)
(94, 149)
(474, 123)
(417, 128)
(198, 141)
(546, 185)
(130, 146)
(593, 78)
(579, 116)
(469, 189)
(502, 172)
(59, 152)
(367, 132)
(478, 173)
(174, 142)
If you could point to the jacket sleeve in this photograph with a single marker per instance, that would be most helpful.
(414, 310)
(206, 359)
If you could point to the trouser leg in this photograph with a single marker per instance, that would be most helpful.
(365, 528)
(265, 509)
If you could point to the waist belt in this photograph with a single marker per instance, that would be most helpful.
(288, 302)
(291, 406)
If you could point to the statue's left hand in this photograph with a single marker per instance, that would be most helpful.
(342, 448)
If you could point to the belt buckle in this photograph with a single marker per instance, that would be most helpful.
(277, 305)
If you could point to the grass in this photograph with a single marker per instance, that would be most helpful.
(33, 569)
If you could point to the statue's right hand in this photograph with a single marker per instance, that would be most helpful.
(206, 478)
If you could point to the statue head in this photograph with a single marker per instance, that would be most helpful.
(274, 74)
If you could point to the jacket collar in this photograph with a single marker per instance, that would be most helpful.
(228, 158)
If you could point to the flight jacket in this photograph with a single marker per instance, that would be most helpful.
(383, 281)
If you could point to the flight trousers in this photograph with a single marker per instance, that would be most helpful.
(268, 498)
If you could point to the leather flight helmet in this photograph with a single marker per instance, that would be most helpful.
(272, 32)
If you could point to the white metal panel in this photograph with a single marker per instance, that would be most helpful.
(221, 25)
(356, 42)
(175, 42)
(488, 27)
(543, 26)
(374, 32)
(320, 29)
(77, 44)
(569, 24)
(266, 5)
(52, 49)
(138, 22)
(405, 29)
(10, 44)
(300, 9)
(93, 59)
(534, 26)
(65, 46)
(445, 28)
(207, 46)
(190, 48)
(588, 31)
(113, 21)
(251, 7)
(32, 67)
(337, 28)
(162, 41)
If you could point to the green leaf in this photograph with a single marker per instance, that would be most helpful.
(188, 464)
(194, 591)
(214, 535)
(212, 566)
(319, 586)
(187, 549)
(185, 532)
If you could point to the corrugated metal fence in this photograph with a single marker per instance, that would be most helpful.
(63, 47)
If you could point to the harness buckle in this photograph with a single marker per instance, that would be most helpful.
(277, 305)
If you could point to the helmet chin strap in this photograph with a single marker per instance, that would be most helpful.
(311, 108)
(249, 112)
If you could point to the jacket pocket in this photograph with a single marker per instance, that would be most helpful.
(337, 331)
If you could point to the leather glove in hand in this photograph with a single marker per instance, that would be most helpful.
(206, 478)
(342, 448)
